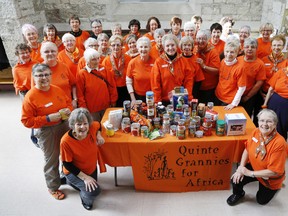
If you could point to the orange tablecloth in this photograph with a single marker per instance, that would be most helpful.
(173, 165)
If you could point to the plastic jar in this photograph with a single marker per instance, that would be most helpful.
(126, 125)
(220, 127)
(135, 129)
(110, 130)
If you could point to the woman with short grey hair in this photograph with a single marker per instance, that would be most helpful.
(157, 49)
(80, 155)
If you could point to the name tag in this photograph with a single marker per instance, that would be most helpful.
(102, 68)
(254, 139)
(48, 104)
(151, 65)
(166, 65)
(267, 64)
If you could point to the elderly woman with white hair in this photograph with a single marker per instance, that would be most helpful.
(71, 54)
(139, 71)
(263, 160)
(209, 61)
(61, 74)
(244, 32)
(157, 49)
(189, 30)
(96, 88)
(170, 70)
(89, 43)
(30, 35)
(232, 79)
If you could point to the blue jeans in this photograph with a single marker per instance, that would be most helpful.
(86, 196)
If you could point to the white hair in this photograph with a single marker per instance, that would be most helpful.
(68, 36)
(90, 53)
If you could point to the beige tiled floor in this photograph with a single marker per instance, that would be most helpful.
(23, 190)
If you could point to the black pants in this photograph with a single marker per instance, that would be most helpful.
(264, 194)
(206, 96)
(122, 96)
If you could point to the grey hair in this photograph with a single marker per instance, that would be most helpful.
(40, 68)
(186, 39)
(159, 31)
(48, 44)
(102, 35)
(89, 41)
(189, 25)
(246, 27)
(204, 32)
(274, 115)
(90, 53)
(67, 36)
(113, 38)
(251, 41)
(170, 37)
(143, 40)
(77, 115)
(267, 26)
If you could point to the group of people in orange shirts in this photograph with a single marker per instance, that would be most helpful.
(96, 71)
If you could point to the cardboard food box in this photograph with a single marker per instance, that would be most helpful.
(235, 124)
(179, 97)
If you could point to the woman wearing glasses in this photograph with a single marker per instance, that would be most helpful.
(47, 107)
(232, 80)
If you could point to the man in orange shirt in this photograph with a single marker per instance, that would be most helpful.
(209, 61)
(22, 70)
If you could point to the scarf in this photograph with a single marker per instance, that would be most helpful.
(263, 142)
(57, 40)
(118, 70)
(74, 56)
(275, 60)
(170, 62)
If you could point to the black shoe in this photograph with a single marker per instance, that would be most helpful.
(87, 207)
(63, 180)
(234, 198)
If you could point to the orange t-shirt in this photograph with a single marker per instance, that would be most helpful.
(230, 79)
(84, 154)
(155, 52)
(219, 46)
(274, 160)
(254, 71)
(81, 39)
(93, 92)
(269, 70)
(279, 82)
(82, 62)
(163, 81)
(264, 48)
(150, 36)
(64, 58)
(35, 54)
(22, 74)
(120, 80)
(37, 104)
(198, 74)
(211, 59)
(140, 73)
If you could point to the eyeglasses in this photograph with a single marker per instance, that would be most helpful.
(115, 45)
(43, 75)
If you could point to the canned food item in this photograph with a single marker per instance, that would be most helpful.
(173, 129)
(126, 125)
(144, 131)
(110, 130)
(180, 132)
(150, 97)
(127, 106)
(156, 123)
(220, 127)
(135, 129)
(192, 129)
